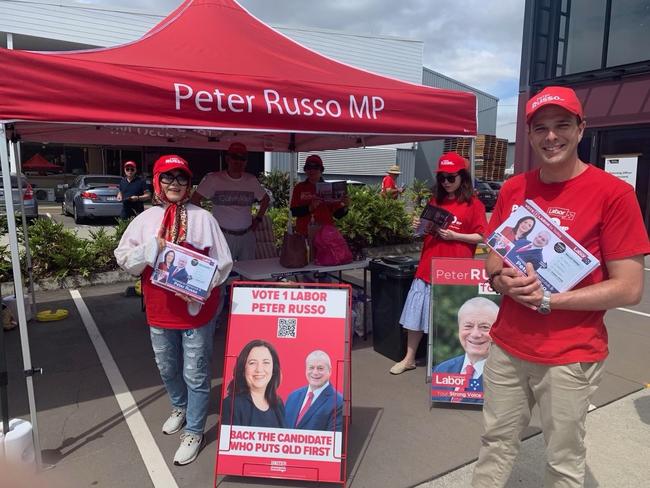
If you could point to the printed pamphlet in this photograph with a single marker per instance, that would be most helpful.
(530, 236)
(182, 270)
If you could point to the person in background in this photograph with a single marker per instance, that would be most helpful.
(549, 348)
(389, 186)
(133, 192)
(306, 205)
(181, 331)
(233, 193)
(454, 192)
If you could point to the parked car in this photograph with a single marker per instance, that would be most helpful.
(495, 185)
(486, 194)
(29, 201)
(92, 196)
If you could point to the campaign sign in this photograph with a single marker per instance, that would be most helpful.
(464, 307)
(286, 390)
(182, 270)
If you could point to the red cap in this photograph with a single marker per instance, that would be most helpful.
(314, 159)
(238, 148)
(130, 163)
(554, 95)
(451, 162)
(170, 162)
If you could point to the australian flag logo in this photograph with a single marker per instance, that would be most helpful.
(474, 385)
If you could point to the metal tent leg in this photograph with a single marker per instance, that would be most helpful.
(20, 297)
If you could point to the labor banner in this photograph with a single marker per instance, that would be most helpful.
(464, 307)
(285, 394)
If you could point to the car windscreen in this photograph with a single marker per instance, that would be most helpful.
(14, 182)
(102, 181)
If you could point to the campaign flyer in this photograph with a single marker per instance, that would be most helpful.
(433, 218)
(286, 389)
(332, 191)
(182, 270)
(530, 236)
(464, 307)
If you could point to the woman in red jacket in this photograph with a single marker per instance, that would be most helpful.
(454, 192)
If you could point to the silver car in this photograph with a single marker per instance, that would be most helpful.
(93, 196)
(29, 200)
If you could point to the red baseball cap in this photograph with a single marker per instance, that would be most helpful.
(170, 162)
(130, 163)
(451, 162)
(238, 148)
(314, 159)
(561, 96)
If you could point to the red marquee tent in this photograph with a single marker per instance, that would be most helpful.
(39, 164)
(210, 73)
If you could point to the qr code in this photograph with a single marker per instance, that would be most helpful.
(287, 328)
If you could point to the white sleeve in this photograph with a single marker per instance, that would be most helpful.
(206, 186)
(135, 251)
(221, 252)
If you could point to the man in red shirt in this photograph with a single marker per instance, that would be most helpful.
(389, 186)
(548, 348)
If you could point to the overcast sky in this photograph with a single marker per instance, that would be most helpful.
(477, 42)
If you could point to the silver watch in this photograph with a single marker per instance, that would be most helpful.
(545, 307)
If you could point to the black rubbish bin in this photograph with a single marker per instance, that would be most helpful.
(390, 281)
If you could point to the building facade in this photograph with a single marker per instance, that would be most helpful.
(599, 48)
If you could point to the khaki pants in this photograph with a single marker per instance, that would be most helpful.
(512, 386)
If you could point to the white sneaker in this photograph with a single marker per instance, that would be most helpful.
(175, 422)
(189, 449)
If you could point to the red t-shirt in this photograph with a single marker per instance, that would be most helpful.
(166, 310)
(303, 193)
(388, 183)
(469, 218)
(601, 212)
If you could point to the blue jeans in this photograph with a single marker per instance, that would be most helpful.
(183, 358)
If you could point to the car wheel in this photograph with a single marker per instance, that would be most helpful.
(77, 218)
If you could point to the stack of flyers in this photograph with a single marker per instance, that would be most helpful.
(182, 270)
(530, 236)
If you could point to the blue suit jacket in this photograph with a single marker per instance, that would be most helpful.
(454, 365)
(326, 413)
(181, 275)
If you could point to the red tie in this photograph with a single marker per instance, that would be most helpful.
(469, 374)
(305, 407)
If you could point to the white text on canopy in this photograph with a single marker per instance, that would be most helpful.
(277, 103)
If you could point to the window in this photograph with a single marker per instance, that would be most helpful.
(584, 46)
(629, 32)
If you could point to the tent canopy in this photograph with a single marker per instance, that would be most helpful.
(211, 73)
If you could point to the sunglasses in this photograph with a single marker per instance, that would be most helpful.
(309, 166)
(129, 170)
(181, 179)
(449, 178)
(237, 157)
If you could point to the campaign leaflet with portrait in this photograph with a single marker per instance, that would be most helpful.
(182, 270)
(559, 260)
(465, 309)
(291, 344)
(332, 191)
(433, 218)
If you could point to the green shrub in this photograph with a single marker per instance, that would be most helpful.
(277, 182)
(279, 217)
(418, 194)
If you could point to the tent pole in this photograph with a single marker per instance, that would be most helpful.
(28, 253)
(20, 297)
(292, 169)
(472, 160)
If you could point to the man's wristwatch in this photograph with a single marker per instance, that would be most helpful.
(545, 307)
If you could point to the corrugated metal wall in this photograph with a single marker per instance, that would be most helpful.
(398, 58)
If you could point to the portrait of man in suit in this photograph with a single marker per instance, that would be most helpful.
(178, 272)
(475, 319)
(317, 406)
